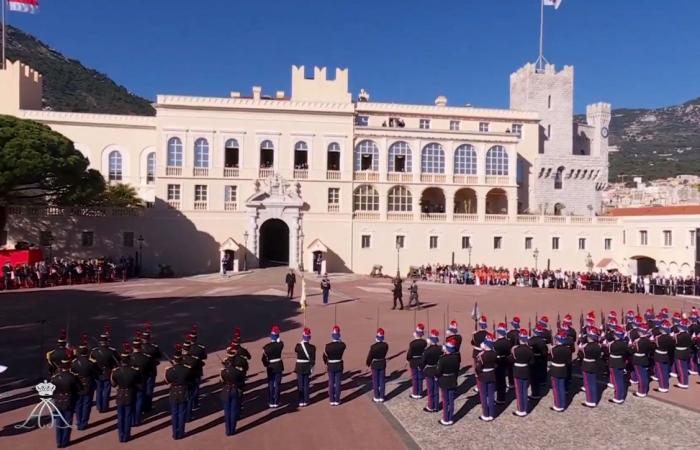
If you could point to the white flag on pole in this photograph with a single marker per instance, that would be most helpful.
(555, 3)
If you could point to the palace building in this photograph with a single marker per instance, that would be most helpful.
(315, 176)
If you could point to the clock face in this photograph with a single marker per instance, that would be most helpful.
(604, 132)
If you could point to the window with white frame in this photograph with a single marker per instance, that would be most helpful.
(174, 158)
(497, 161)
(151, 168)
(333, 156)
(484, 127)
(668, 238)
(643, 237)
(365, 198)
(333, 196)
(301, 155)
(517, 129)
(607, 244)
(555, 243)
(400, 159)
(231, 194)
(399, 199)
(466, 242)
(497, 242)
(174, 192)
(231, 153)
(115, 166)
(581, 243)
(201, 153)
(433, 242)
(528, 243)
(400, 241)
(465, 160)
(267, 154)
(361, 121)
(454, 125)
(424, 124)
(366, 156)
(87, 238)
(366, 241)
(200, 192)
(432, 159)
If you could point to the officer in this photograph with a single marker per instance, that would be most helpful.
(196, 366)
(547, 334)
(590, 354)
(662, 355)
(446, 371)
(106, 359)
(58, 354)
(486, 363)
(521, 356)
(413, 294)
(200, 352)
(240, 365)
(682, 353)
(502, 349)
(538, 371)
(453, 331)
(306, 360)
(414, 355)
(429, 362)
(397, 291)
(568, 328)
(143, 365)
(325, 288)
(618, 353)
(87, 372)
(642, 349)
(632, 327)
(290, 279)
(240, 350)
(272, 360)
(232, 377)
(559, 362)
(376, 361)
(179, 376)
(151, 350)
(65, 397)
(126, 379)
(477, 338)
(629, 320)
(333, 358)
(513, 337)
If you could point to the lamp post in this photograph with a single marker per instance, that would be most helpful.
(398, 264)
(536, 255)
(140, 261)
(301, 250)
(245, 250)
(469, 252)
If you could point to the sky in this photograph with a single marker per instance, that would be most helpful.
(631, 53)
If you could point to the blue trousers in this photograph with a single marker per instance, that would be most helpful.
(433, 393)
(334, 385)
(150, 388)
(417, 381)
(521, 393)
(190, 402)
(617, 378)
(487, 392)
(378, 383)
(694, 361)
(326, 292)
(303, 386)
(195, 393)
(63, 432)
(231, 412)
(104, 389)
(559, 392)
(138, 406)
(661, 369)
(124, 418)
(448, 404)
(273, 387)
(642, 374)
(82, 410)
(590, 382)
(682, 370)
(178, 413)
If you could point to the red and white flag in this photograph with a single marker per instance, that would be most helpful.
(555, 3)
(25, 6)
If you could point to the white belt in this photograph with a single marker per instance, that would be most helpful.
(661, 352)
(378, 359)
(589, 360)
(681, 348)
(448, 374)
(335, 360)
(274, 360)
(558, 364)
(487, 370)
(431, 365)
(520, 364)
(640, 355)
(303, 360)
(476, 348)
(616, 356)
(414, 357)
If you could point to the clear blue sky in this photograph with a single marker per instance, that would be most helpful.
(628, 52)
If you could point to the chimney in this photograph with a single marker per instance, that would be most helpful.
(257, 90)
(279, 95)
(235, 94)
(441, 100)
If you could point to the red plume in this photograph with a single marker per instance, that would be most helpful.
(85, 339)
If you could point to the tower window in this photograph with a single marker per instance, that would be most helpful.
(549, 102)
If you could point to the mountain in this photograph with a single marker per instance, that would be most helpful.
(70, 86)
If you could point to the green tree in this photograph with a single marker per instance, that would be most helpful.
(120, 195)
(39, 165)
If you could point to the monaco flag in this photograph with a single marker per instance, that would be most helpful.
(25, 6)
(555, 3)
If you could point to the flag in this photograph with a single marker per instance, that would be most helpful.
(302, 299)
(25, 6)
(555, 3)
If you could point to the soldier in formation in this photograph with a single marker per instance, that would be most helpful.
(413, 356)
(306, 360)
(272, 360)
(376, 361)
(333, 358)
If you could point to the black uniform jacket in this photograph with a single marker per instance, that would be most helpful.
(67, 389)
(106, 359)
(180, 377)
(272, 356)
(486, 366)
(448, 369)
(559, 361)
(376, 358)
(430, 358)
(590, 354)
(415, 352)
(306, 360)
(618, 353)
(477, 338)
(522, 358)
(126, 379)
(333, 356)
(684, 344)
(86, 371)
(664, 348)
(641, 351)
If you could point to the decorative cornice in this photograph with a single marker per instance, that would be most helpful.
(466, 112)
(73, 118)
(247, 104)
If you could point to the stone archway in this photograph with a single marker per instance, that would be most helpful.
(274, 243)
(645, 265)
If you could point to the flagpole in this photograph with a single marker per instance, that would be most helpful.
(540, 60)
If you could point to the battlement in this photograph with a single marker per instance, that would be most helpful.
(319, 87)
(601, 110)
(21, 87)
(549, 69)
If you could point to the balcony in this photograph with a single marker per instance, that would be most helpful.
(399, 177)
(496, 218)
(432, 178)
(498, 180)
(174, 204)
(332, 174)
(201, 206)
(230, 206)
(433, 217)
(554, 219)
(333, 207)
(200, 171)
(366, 175)
(527, 219)
(301, 174)
(369, 216)
(465, 218)
(231, 172)
(266, 172)
(403, 216)
(581, 220)
(465, 179)
(173, 171)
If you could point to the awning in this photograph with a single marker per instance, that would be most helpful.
(317, 246)
(607, 263)
(230, 244)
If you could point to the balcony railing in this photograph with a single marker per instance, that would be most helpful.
(527, 219)
(332, 174)
(175, 204)
(402, 216)
(496, 218)
(333, 207)
(554, 219)
(230, 206)
(230, 172)
(465, 179)
(173, 171)
(200, 171)
(433, 217)
(581, 220)
(432, 178)
(366, 175)
(497, 179)
(469, 218)
(301, 174)
(366, 215)
(399, 177)
(265, 172)
(200, 206)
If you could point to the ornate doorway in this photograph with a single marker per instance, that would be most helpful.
(274, 243)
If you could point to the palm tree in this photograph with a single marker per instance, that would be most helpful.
(121, 195)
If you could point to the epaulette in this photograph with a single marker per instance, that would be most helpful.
(187, 365)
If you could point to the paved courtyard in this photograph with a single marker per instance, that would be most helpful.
(254, 302)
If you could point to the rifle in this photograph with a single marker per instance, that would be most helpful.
(493, 327)
(475, 314)
(335, 314)
(536, 319)
(377, 317)
(622, 316)
(167, 357)
(529, 325)
(637, 308)
(558, 321)
(428, 317)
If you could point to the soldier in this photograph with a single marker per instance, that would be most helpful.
(486, 363)
(453, 331)
(200, 352)
(618, 353)
(65, 396)
(502, 349)
(232, 377)
(477, 339)
(61, 352)
(325, 288)
(429, 362)
(414, 355)
(333, 357)
(306, 360)
(143, 365)
(240, 350)
(538, 371)
(521, 357)
(272, 360)
(179, 377)
(590, 354)
(694, 331)
(106, 359)
(376, 361)
(682, 353)
(642, 348)
(547, 334)
(567, 327)
(513, 337)
(413, 294)
(662, 355)
(290, 280)
(87, 371)
(240, 365)
(126, 379)
(196, 367)
(447, 371)
(397, 291)
(151, 350)
(629, 320)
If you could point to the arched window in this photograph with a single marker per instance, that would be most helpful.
(400, 159)
(465, 160)
(432, 159)
(267, 154)
(366, 156)
(301, 155)
(231, 153)
(115, 166)
(497, 161)
(333, 156)
(365, 198)
(201, 153)
(400, 199)
(151, 168)
(174, 152)
(558, 177)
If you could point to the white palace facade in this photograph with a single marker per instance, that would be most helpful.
(288, 178)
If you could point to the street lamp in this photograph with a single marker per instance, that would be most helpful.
(469, 252)
(245, 250)
(398, 265)
(536, 255)
(301, 250)
(140, 260)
